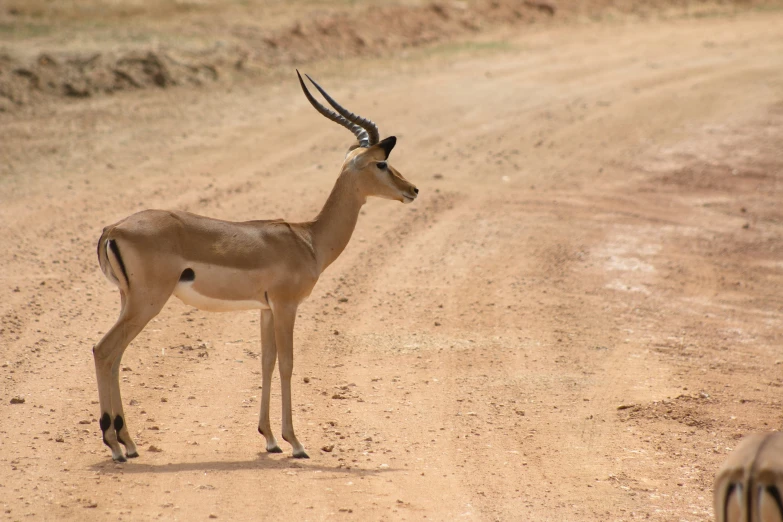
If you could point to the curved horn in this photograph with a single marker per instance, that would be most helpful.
(358, 131)
(368, 125)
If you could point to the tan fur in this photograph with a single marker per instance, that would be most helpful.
(274, 264)
(750, 482)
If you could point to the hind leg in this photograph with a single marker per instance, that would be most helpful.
(134, 316)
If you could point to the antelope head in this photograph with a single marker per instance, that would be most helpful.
(366, 162)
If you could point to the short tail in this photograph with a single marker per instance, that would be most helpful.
(112, 265)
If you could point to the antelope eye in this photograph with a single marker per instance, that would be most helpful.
(381, 165)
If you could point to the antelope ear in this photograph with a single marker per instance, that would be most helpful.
(387, 145)
(352, 148)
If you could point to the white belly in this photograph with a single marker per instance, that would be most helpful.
(188, 295)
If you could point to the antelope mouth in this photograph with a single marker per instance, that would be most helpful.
(407, 198)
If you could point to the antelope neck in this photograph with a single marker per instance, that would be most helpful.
(333, 226)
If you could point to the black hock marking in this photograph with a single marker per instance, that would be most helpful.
(105, 422)
(116, 251)
(105, 425)
(187, 275)
(118, 424)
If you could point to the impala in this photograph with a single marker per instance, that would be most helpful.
(216, 265)
(749, 485)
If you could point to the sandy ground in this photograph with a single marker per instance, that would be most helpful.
(576, 320)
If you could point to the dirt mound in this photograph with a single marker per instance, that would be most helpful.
(684, 409)
(350, 33)
(81, 76)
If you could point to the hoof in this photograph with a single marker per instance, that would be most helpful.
(301, 455)
(133, 455)
(121, 458)
(275, 449)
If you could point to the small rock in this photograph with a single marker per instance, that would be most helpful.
(17, 400)
(306, 380)
(338, 396)
(212, 515)
(154, 449)
(343, 300)
(328, 448)
(625, 406)
(437, 176)
(84, 421)
(437, 323)
(336, 332)
(164, 399)
(59, 438)
(133, 402)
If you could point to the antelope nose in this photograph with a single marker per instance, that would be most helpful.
(415, 190)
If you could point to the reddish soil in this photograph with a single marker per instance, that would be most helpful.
(576, 320)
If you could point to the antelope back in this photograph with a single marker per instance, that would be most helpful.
(749, 485)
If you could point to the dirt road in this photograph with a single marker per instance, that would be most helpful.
(575, 321)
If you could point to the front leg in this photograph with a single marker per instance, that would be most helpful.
(284, 317)
(268, 358)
